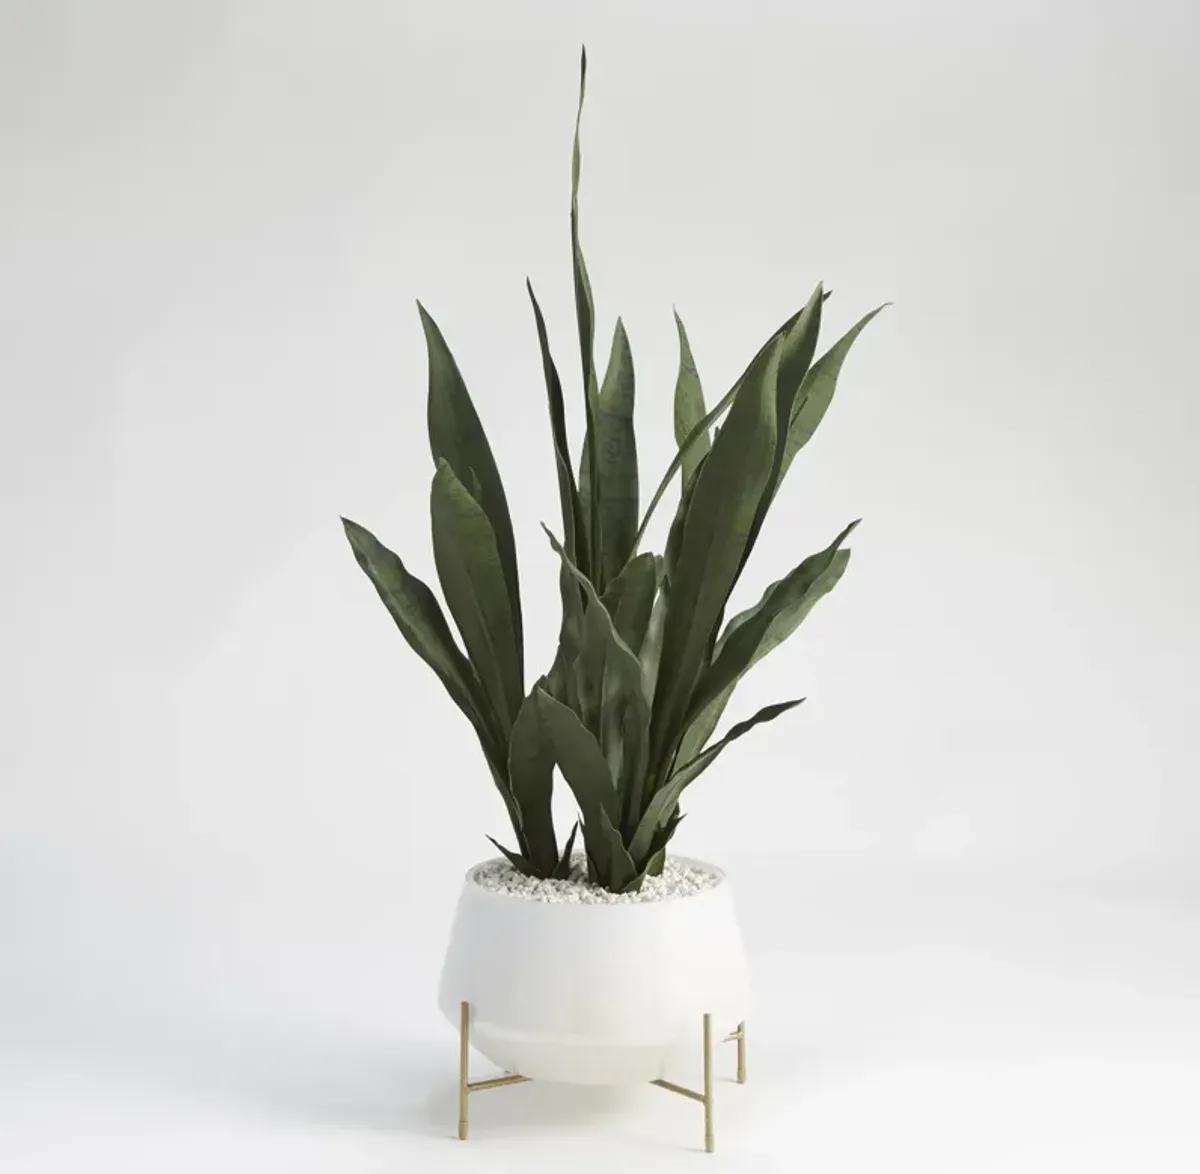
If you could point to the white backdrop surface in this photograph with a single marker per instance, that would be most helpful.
(234, 808)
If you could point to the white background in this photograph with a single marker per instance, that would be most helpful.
(235, 809)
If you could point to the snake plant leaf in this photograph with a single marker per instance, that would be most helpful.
(580, 759)
(574, 525)
(471, 572)
(531, 779)
(585, 318)
(675, 533)
(614, 708)
(562, 681)
(816, 393)
(457, 437)
(562, 870)
(690, 771)
(781, 627)
(585, 312)
(723, 506)
(418, 615)
(663, 806)
(616, 460)
(796, 355)
(689, 405)
(658, 849)
(520, 863)
(568, 491)
(616, 864)
(629, 599)
(693, 438)
(796, 594)
(650, 653)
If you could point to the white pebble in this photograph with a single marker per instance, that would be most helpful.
(676, 880)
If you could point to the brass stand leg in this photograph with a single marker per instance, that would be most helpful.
(708, 1084)
(741, 1052)
(464, 1053)
(465, 1085)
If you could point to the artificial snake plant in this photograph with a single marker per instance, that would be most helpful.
(646, 659)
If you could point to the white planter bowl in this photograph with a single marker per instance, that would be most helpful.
(594, 994)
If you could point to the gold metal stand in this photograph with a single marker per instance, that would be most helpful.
(466, 1086)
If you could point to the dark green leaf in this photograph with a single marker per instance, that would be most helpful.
(616, 460)
(783, 624)
(693, 438)
(618, 867)
(585, 317)
(816, 393)
(562, 870)
(651, 650)
(658, 852)
(580, 759)
(629, 599)
(519, 862)
(574, 522)
(662, 807)
(456, 436)
(742, 643)
(416, 612)
(472, 577)
(568, 493)
(689, 405)
(613, 708)
(725, 500)
(675, 533)
(531, 778)
(799, 346)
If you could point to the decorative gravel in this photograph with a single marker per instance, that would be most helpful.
(676, 880)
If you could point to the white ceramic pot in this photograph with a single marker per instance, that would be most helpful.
(594, 994)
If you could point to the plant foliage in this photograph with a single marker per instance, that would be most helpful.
(646, 659)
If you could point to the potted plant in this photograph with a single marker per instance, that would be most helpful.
(598, 967)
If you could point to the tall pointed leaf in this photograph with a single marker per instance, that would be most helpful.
(675, 533)
(796, 354)
(783, 624)
(689, 406)
(629, 599)
(520, 862)
(416, 612)
(568, 493)
(472, 577)
(531, 778)
(796, 593)
(662, 807)
(573, 519)
(580, 759)
(658, 849)
(650, 653)
(585, 318)
(582, 764)
(562, 870)
(613, 708)
(616, 460)
(619, 868)
(456, 436)
(726, 497)
(816, 394)
(693, 440)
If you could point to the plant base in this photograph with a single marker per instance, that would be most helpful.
(466, 1086)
